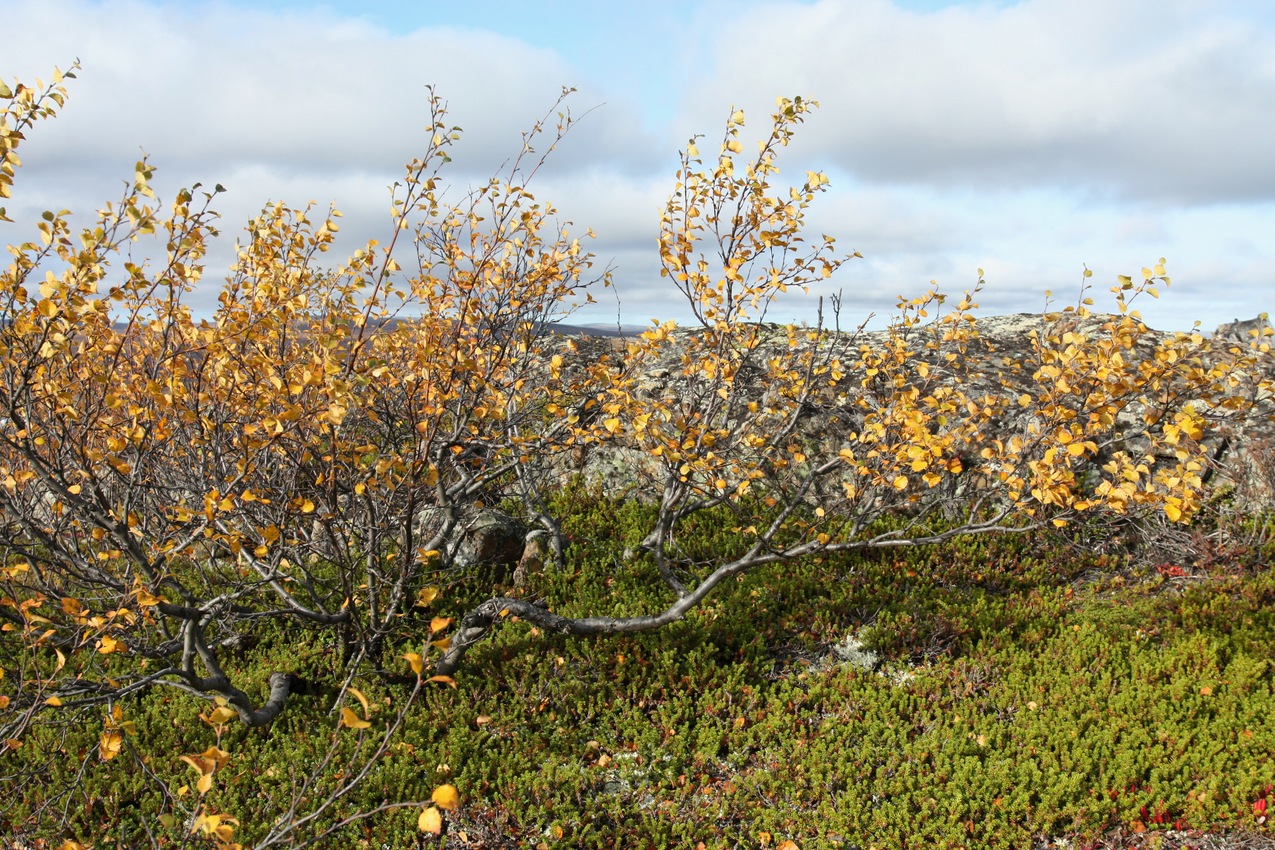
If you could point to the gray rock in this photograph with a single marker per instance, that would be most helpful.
(1000, 364)
(480, 537)
(1243, 331)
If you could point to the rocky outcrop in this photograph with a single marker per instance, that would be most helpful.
(1002, 362)
(1243, 331)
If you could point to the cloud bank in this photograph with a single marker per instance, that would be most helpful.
(1026, 139)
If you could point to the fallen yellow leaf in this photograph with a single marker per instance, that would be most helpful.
(446, 796)
(430, 820)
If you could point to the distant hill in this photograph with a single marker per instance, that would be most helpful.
(597, 329)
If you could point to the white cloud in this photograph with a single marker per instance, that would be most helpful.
(211, 84)
(1024, 139)
(282, 106)
(1163, 99)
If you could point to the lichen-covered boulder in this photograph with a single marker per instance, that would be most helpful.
(480, 537)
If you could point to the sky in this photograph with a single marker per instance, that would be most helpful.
(1030, 139)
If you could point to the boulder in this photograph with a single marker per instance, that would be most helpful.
(1243, 331)
(481, 537)
(534, 554)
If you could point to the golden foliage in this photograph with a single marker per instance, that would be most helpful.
(305, 451)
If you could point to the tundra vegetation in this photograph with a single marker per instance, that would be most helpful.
(232, 614)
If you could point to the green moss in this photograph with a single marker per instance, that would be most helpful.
(1023, 694)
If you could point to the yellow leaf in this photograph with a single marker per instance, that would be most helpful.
(431, 821)
(336, 413)
(439, 623)
(1206, 691)
(108, 644)
(112, 743)
(358, 695)
(737, 117)
(446, 680)
(1172, 511)
(427, 594)
(352, 720)
(204, 785)
(218, 758)
(900, 482)
(198, 763)
(53, 701)
(417, 663)
(446, 797)
(220, 714)
(788, 845)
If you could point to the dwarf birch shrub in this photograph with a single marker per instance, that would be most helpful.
(175, 489)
